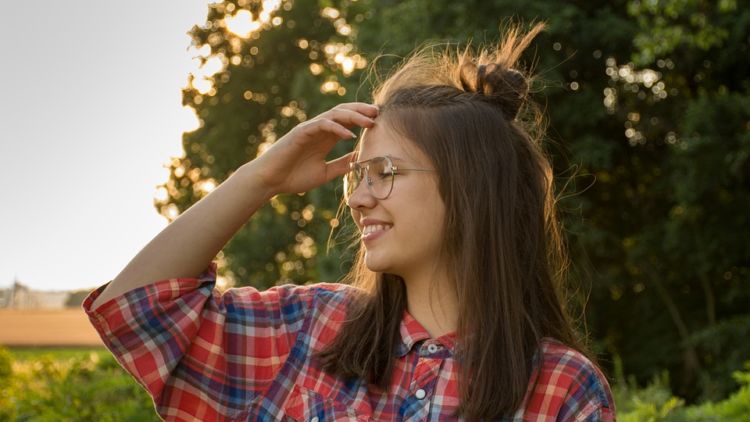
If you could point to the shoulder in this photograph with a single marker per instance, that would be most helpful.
(569, 385)
(564, 366)
(289, 301)
(318, 310)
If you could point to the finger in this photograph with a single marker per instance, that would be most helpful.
(369, 110)
(329, 126)
(339, 166)
(349, 118)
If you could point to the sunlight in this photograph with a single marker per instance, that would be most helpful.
(172, 212)
(316, 69)
(161, 194)
(306, 246)
(202, 77)
(338, 54)
(204, 187)
(189, 121)
(202, 85)
(242, 23)
(329, 86)
(330, 13)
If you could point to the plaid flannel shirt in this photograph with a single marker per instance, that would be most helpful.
(248, 355)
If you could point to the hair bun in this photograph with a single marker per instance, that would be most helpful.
(504, 87)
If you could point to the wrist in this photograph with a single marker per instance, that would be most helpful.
(252, 180)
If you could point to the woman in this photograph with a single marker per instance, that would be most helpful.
(452, 311)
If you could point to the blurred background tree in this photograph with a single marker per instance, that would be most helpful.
(281, 62)
(649, 120)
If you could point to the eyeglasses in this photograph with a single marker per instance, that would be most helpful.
(378, 172)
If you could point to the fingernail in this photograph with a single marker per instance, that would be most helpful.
(353, 135)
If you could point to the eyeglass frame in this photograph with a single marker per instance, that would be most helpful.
(358, 165)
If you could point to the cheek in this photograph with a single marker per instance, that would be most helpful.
(429, 218)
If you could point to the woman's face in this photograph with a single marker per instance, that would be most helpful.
(409, 243)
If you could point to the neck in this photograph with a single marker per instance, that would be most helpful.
(436, 310)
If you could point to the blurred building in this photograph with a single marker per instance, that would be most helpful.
(18, 296)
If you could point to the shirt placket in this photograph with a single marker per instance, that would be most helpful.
(416, 406)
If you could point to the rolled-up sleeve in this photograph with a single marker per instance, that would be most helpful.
(198, 352)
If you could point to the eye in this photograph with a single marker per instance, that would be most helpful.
(384, 169)
(384, 174)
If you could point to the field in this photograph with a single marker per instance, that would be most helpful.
(48, 328)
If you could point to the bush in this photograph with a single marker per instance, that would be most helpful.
(655, 402)
(6, 365)
(6, 374)
(734, 408)
(85, 387)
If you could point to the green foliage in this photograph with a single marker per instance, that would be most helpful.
(648, 106)
(6, 365)
(655, 402)
(670, 271)
(82, 386)
(734, 408)
(6, 374)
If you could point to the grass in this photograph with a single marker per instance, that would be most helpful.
(25, 354)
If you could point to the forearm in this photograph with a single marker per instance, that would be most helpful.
(295, 163)
(188, 244)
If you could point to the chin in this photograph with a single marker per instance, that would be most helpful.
(376, 264)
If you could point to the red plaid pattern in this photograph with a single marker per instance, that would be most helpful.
(248, 355)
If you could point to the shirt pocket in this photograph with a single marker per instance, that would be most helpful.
(309, 406)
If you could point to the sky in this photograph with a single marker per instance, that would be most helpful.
(90, 111)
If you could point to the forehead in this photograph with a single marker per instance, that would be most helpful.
(381, 140)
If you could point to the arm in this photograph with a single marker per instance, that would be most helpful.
(296, 163)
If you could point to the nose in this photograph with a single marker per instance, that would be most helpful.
(361, 198)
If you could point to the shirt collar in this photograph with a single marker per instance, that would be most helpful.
(412, 332)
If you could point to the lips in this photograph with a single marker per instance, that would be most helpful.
(373, 228)
(372, 221)
(373, 232)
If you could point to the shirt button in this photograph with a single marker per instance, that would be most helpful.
(432, 348)
(314, 419)
(420, 394)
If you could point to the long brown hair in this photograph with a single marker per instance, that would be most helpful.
(469, 114)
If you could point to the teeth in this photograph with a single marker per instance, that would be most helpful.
(376, 227)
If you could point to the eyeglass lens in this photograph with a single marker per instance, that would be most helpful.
(377, 173)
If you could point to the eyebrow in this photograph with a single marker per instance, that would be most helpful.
(392, 158)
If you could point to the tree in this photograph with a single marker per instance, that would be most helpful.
(275, 76)
(672, 260)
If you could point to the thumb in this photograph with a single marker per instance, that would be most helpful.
(339, 166)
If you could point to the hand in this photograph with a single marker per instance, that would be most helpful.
(296, 162)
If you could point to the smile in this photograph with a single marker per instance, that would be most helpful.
(375, 230)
